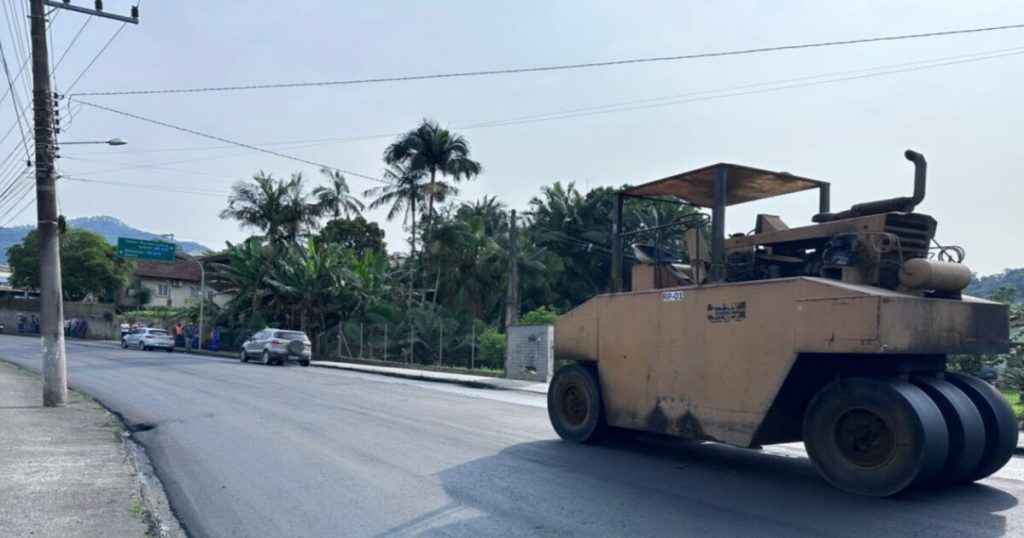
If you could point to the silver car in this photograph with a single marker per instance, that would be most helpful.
(276, 346)
(147, 339)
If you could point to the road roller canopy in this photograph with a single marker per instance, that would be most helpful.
(742, 184)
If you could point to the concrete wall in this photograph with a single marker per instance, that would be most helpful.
(530, 354)
(95, 314)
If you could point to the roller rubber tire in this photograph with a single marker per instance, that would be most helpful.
(575, 406)
(124, 344)
(1000, 424)
(266, 358)
(966, 429)
(142, 346)
(303, 363)
(875, 437)
(243, 357)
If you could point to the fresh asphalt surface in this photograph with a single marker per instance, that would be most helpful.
(252, 450)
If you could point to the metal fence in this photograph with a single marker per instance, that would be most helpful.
(443, 344)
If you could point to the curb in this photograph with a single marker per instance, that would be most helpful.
(414, 377)
(470, 383)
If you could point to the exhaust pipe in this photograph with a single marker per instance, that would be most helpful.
(902, 204)
(920, 171)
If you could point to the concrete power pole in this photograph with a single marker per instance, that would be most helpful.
(51, 305)
(512, 298)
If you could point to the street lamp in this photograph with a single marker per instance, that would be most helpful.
(112, 142)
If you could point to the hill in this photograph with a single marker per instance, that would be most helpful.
(109, 227)
(985, 285)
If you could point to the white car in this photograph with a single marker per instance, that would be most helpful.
(275, 346)
(147, 339)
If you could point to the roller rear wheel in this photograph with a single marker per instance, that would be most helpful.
(966, 429)
(574, 404)
(999, 420)
(875, 437)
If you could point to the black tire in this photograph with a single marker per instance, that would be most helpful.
(303, 363)
(266, 358)
(875, 437)
(170, 350)
(243, 357)
(575, 406)
(999, 420)
(124, 344)
(966, 429)
(143, 347)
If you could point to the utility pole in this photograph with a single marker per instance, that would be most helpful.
(51, 304)
(512, 298)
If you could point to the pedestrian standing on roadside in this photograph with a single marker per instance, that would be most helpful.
(124, 328)
(21, 323)
(179, 335)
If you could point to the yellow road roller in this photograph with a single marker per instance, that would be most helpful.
(835, 333)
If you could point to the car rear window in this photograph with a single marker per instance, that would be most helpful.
(158, 332)
(291, 335)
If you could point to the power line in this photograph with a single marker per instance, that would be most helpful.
(621, 106)
(558, 116)
(71, 43)
(97, 56)
(21, 48)
(14, 101)
(561, 67)
(150, 187)
(16, 214)
(227, 141)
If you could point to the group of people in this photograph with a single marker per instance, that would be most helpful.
(185, 335)
(75, 327)
(31, 324)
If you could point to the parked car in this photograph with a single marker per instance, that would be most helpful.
(147, 339)
(277, 346)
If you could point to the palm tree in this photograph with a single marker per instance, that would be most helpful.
(255, 204)
(299, 215)
(278, 208)
(336, 199)
(431, 149)
(404, 190)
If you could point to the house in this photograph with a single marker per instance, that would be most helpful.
(171, 284)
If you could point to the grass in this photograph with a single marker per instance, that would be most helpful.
(139, 509)
(1014, 399)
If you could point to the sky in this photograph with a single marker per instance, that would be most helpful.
(965, 117)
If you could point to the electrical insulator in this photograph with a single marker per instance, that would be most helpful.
(99, 5)
(135, 12)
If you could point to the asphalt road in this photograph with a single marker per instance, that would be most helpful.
(251, 450)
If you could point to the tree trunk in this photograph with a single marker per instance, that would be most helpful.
(412, 251)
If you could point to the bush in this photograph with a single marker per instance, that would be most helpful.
(492, 347)
(540, 316)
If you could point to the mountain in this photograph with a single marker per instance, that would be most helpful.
(109, 227)
(985, 285)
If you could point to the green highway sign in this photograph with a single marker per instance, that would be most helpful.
(141, 249)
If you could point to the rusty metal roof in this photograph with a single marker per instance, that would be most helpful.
(743, 184)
